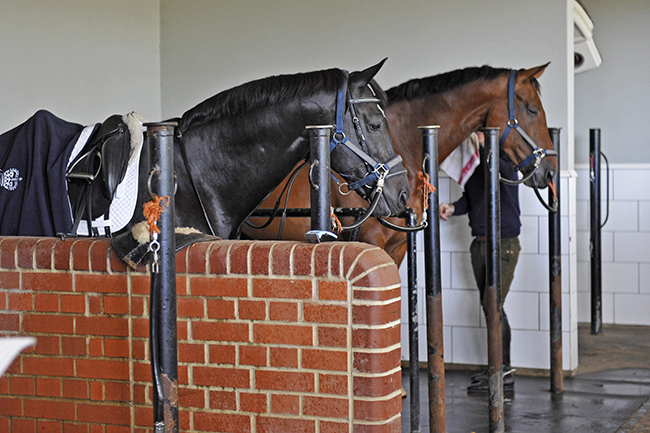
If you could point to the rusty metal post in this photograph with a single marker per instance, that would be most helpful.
(163, 334)
(414, 357)
(433, 285)
(493, 279)
(555, 274)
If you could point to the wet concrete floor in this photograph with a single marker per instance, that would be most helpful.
(609, 393)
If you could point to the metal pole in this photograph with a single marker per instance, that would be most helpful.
(493, 279)
(594, 240)
(414, 358)
(164, 346)
(555, 274)
(435, 352)
(319, 179)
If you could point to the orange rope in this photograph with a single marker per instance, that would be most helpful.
(153, 210)
(552, 186)
(338, 227)
(426, 188)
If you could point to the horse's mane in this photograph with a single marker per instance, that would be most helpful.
(443, 82)
(261, 93)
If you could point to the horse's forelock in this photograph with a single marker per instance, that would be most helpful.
(442, 82)
(261, 93)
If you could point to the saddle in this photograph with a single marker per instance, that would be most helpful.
(96, 172)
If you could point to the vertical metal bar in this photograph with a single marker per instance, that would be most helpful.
(414, 358)
(160, 137)
(493, 279)
(555, 274)
(319, 177)
(594, 240)
(435, 352)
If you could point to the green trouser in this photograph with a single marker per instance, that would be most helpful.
(510, 249)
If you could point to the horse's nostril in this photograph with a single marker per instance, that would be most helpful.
(550, 175)
(403, 197)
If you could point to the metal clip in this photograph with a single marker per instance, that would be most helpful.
(154, 247)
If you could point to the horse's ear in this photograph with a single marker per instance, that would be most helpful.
(362, 78)
(536, 72)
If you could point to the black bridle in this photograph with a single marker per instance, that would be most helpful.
(538, 153)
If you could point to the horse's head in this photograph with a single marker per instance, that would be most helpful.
(375, 161)
(524, 133)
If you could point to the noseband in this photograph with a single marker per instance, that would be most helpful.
(538, 152)
(378, 171)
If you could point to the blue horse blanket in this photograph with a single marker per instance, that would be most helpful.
(33, 190)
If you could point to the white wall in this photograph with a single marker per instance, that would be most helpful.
(215, 45)
(81, 60)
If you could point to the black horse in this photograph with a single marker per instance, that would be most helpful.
(233, 149)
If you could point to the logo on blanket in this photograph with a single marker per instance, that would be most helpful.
(10, 178)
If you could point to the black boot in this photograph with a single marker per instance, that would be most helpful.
(479, 384)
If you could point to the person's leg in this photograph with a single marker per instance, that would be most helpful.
(510, 248)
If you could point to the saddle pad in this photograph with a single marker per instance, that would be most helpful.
(126, 196)
(33, 191)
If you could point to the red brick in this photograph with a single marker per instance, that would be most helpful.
(378, 295)
(75, 428)
(191, 397)
(46, 302)
(73, 303)
(11, 406)
(23, 426)
(372, 338)
(104, 413)
(283, 334)
(377, 386)
(223, 400)
(137, 306)
(96, 391)
(140, 327)
(116, 264)
(114, 326)
(302, 257)
(117, 391)
(47, 282)
(23, 385)
(385, 276)
(377, 410)
(125, 429)
(10, 322)
(336, 427)
(333, 384)
(260, 258)
(281, 288)
(376, 314)
(3, 301)
(220, 309)
(102, 283)
(48, 387)
(49, 409)
(94, 304)
(95, 347)
(325, 359)
(218, 257)
(284, 357)
(281, 258)
(61, 254)
(252, 355)
(9, 280)
(220, 331)
(138, 349)
(197, 257)
(226, 423)
(143, 416)
(43, 253)
(250, 402)
(101, 369)
(73, 346)
(330, 407)
(222, 286)
(48, 324)
(114, 348)
(332, 336)
(377, 362)
(142, 371)
(21, 301)
(225, 377)
(272, 425)
(324, 313)
(251, 310)
(239, 257)
(48, 345)
(116, 304)
(25, 253)
(75, 389)
(284, 380)
(222, 354)
(283, 311)
(333, 290)
(8, 252)
(191, 307)
(283, 403)
(99, 255)
(191, 353)
(140, 284)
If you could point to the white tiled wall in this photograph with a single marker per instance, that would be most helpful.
(527, 305)
(625, 245)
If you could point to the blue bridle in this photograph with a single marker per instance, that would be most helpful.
(538, 152)
(379, 171)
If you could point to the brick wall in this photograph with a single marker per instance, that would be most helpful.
(273, 337)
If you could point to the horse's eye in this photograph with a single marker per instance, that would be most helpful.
(532, 111)
(374, 126)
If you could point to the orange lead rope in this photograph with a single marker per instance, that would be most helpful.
(338, 227)
(552, 186)
(152, 211)
(426, 188)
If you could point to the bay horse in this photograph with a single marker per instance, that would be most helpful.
(460, 102)
(233, 149)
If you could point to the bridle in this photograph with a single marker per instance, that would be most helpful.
(538, 153)
(377, 171)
